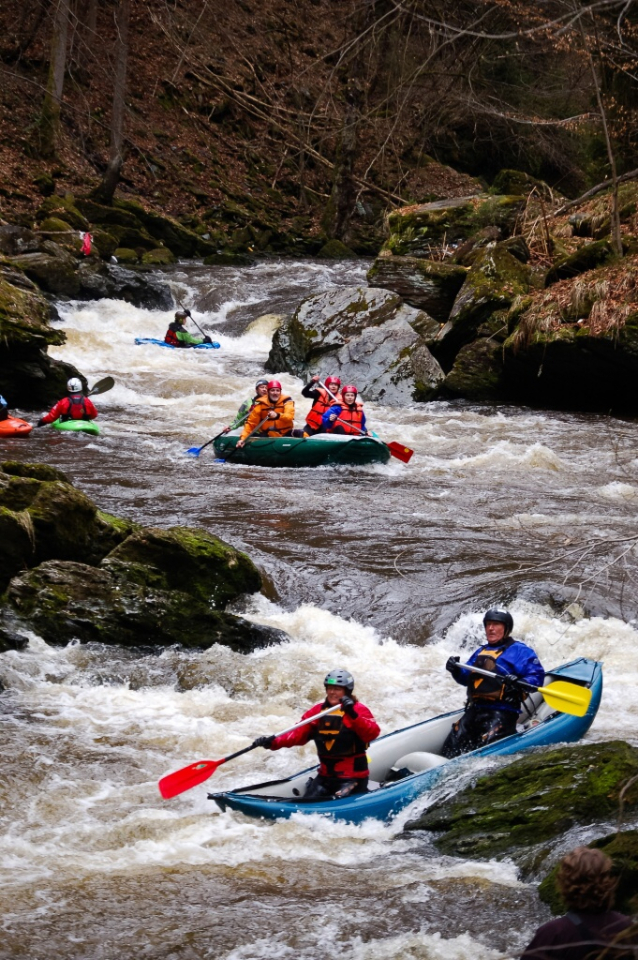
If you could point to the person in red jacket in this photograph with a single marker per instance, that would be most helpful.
(341, 739)
(74, 407)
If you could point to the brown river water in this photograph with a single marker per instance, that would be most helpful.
(384, 570)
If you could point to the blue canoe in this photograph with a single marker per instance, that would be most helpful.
(162, 343)
(413, 754)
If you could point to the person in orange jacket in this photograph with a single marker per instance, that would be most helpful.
(277, 411)
(341, 740)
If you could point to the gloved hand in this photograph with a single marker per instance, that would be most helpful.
(347, 705)
(453, 665)
(41, 422)
(265, 742)
(207, 340)
(510, 678)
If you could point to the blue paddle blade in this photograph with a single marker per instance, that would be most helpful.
(193, 451)
(218, 460)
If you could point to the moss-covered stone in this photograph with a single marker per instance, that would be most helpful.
(16, 544)
(336, 250)
(63, 208)
(426, 284)
(125, 255)
(227, 258)
(105, 242)
(622, 847)
(37, 471)
(519, 184)
(192, 561)
(159, 257)
(477, 373)
(587, 257)
(55, 225)
(522, 809)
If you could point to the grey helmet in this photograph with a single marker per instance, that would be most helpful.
(74, 385)
(262, 383)
(181, 314)
(500, 616)
(340, 678)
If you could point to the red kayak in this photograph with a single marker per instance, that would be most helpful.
(13, 427)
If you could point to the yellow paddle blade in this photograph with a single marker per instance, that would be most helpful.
(567, 697)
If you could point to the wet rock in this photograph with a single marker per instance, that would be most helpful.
(159, 257)
(64, 601)
(29, 378)
(16, 543)
(36, 471)
(63, 208)
(18, 240)
(228, 258)
(477, 373)
(53, 269)
(97, 280)
(522, 809)
(419, 229)
(587, 257)
(336, 250)
(491, 284)
(622, 847)
(426, 284)
(124, 255)
(365, 335)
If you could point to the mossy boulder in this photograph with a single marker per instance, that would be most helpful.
(105, 242)
(336, 250)
(53, 269)
(62, 208)
(65, 600)
(159, 257)
(588, 257)
(189, 560)
(35, 471)
(522, 809)
(15, 240)
(622, 847)
(222, 258)
(182, 241)
(55, 225)
(125, 255)
(491, 284)
(477, 372)
(516, 183)
(426, 284)
(419, 229)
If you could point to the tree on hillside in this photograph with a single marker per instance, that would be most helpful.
(106, 189)
(49, 125)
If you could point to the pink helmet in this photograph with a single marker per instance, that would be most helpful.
(274, 385)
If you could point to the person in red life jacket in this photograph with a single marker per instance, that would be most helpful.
(86, 244)
(178, 336)
(590, 928)
(274, 412)
(347, 416)
(321, 401)
(492, 707)
(341, 740)
(74, 407)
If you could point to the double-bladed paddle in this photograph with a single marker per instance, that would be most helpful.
(398, 450)
(561, 695)
(102, 386)
(195, 773)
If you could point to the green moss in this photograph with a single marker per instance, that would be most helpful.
(24, 318)
(63, 208)
(54, 225)
(126, 255)
(38, 471)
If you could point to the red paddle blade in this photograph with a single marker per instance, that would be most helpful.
(188, 777)
(399, 451)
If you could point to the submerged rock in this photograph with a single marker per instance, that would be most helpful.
(520, 810)
(367, 336)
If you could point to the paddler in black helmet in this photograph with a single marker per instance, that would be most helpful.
(178, 336)
(341, 739)
(492, 707)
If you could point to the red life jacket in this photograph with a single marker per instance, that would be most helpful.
(350, 419)
(74, 409)
(319, 407)
(339, 746)
(171, 337)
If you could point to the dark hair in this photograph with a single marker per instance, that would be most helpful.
(585, 880)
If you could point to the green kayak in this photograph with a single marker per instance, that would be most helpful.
(76, 426)
(300, 452)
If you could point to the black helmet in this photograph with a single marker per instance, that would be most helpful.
(340, 678)
(500, 616)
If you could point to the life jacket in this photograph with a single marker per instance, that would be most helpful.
(336, 742)
(350, 419)
(75, 409)
(484, 689)
(271, 428)
(171, 336)
(319, 407)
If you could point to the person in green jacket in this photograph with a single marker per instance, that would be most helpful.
(178, 336)
(261, 389)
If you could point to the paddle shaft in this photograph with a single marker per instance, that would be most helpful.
(191, 317)
(208, 442)
(324, 387)
(296, 726)
(404, 456)
(492, 675)
(258, 427)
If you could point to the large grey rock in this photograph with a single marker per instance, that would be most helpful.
(426, 284)
(97, 280)
(17, 240)
(53, 270)
(364, 335)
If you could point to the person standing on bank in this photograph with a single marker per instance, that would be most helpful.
(590, 929)
(492, 706)
(341, 740)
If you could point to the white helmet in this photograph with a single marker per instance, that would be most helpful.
(74, 385)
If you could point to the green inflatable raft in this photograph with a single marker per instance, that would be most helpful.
(302, 452)
(76, 426)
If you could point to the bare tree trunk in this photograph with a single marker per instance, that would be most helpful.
(107, 188)
(50, 118)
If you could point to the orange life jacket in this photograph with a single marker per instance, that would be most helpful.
(319, 407)
(350, 419)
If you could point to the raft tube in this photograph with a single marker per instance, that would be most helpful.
(76, 426)
(162, 343)
(302, 452)
(14, 427)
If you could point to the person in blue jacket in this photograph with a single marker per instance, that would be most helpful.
(492, 706)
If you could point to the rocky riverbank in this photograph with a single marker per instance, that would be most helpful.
(68, 571)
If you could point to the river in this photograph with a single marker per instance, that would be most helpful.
(384, 570)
